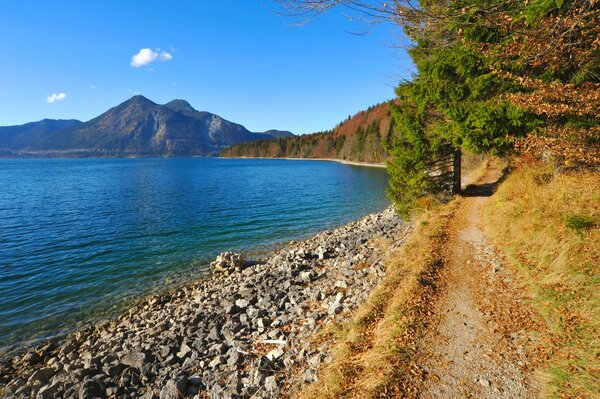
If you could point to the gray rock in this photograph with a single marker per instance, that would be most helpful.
(321, 252)
(275, 354)
(184, 351)
(230, 308)
(195, 381)
(175, 388)
(248, 294)
(48, 391)
(306, 276)
(91, 389)
(308, 376)
(216, 362)
(271, 384)
(24, 392)
(31, 358)
(165, 351)
(242, 303)
(218, 348)
(113, 369)
(234, 358)
(42, 375)
(335, 308)
(341, 284)
(90, 360)
(214, 335)
(134, 359)
(263, 322)
(227, 261)
(314, 361)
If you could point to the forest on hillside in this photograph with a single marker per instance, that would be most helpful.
(362, 138)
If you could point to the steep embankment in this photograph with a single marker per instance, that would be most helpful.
(453, 318)
(361, 139)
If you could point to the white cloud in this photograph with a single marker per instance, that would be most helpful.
(92, 87)
(164, 56)
(143, 57)
(54, 97)
(147, 56)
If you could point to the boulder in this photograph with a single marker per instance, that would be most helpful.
(175, 388)
(227, 262)
(42, 375)
(134, 359)
(91, 389)
(48, 391)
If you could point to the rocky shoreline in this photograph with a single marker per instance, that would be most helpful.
(245, 332)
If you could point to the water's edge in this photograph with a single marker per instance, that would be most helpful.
(213, 335)
(201, 273)
(338, 160)
(78, 237)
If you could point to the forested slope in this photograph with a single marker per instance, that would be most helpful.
(361, 138)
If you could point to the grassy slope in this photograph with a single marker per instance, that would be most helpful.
(547, 225)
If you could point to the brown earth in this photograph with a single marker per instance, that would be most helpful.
(477, 344)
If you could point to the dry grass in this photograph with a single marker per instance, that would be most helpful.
(370, 350)
(547, 224)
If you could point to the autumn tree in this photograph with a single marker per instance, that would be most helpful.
(493, 76)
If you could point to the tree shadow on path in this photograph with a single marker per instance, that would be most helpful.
(486, 189)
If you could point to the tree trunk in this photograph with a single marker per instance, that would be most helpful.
(456, 189)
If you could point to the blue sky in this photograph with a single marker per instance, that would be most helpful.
(237, 59)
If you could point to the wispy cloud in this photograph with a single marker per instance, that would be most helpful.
(164, 56)
(54, 97)
(147, 56)
(92, 87)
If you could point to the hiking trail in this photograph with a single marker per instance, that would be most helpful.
(477, 345)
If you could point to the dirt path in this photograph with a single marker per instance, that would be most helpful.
(478, 345)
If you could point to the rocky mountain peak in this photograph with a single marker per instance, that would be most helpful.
(180, 106)
(137, 101)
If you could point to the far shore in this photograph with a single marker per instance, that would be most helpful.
(342, 161)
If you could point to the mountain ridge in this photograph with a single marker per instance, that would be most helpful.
(137, 127)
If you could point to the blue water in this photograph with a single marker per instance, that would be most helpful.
(81, 237)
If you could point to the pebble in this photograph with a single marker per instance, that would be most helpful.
(485, 382)
(245, 331)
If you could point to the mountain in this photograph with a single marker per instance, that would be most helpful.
(277, 134)
(21, 137)
(136, 127)
(180, 106)
(361, 138)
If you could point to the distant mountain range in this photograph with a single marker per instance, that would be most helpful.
(137, 127)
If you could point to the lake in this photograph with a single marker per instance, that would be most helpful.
(79, 238)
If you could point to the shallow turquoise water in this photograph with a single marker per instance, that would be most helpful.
(79, 237)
